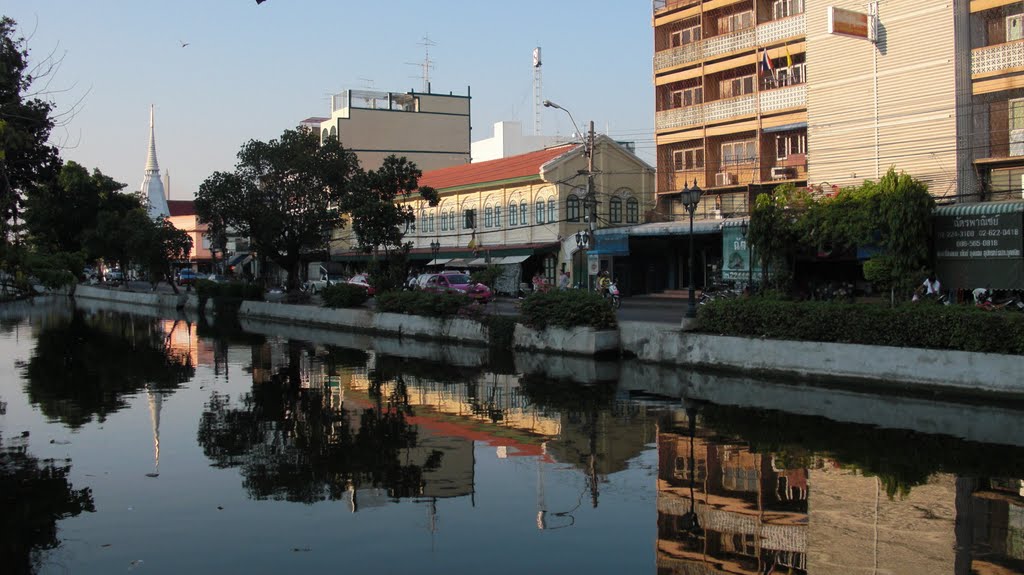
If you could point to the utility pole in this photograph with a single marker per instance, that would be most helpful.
(591, 197)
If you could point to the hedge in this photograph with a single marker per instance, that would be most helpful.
(430, 304)
(567, 308)
(928, 326)
(344, 295)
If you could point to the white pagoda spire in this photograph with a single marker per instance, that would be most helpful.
(152, 186)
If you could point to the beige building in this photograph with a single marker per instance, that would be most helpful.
(524, 211)
(431, 130)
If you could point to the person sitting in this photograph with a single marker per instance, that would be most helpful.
(538, 282)
(930, 288)
(603, 281)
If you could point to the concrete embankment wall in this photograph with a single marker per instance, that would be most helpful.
(961, 370)
(164, 301)
(965, 372)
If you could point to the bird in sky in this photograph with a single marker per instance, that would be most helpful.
(183, 44)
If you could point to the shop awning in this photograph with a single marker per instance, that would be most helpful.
(677, 228)
(457, 263)
(980, 209)
(477, 263)
(785, 128)
(511, 260)
(438, 261)
(239, 259)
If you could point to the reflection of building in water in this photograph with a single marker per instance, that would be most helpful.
(742, 512)
(990, 525)
(183, 340)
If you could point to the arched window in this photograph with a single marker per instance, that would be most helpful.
(430, 221)
(632, 211)
(451, 219)
(444, 221)
(488, 217)
(497, 216)
(572, 208)
(524, 214)
(539, 218)
(513, 214)
(323, 136)
(552, 210)
(334, 132)
(615, 210)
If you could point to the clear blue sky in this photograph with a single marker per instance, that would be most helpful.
(251, 71)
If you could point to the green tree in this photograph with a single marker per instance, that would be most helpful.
(157, 245)
(61, 213)
(288, 195)
(115, 227)
(378, 221)
(214, 204)
(25, 124)
(773, 227)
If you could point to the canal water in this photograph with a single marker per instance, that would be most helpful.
(146, 444)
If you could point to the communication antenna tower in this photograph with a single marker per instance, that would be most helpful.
(427, 64)
(537, 92)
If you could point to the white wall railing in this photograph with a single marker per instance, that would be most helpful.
(998, 57)
(763, 34)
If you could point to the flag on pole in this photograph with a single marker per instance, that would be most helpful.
(789, 59)
(767, 68)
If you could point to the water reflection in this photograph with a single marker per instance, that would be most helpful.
(581, 451)
(34, 495)
(85, 364)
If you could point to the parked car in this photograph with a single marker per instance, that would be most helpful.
(458, 282)
(218, 278)
(113, 277)
(187, 277)
(362, 280)
(326, 279)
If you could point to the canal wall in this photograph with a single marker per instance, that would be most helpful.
(955, 371)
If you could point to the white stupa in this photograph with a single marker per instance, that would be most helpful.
(152, 186)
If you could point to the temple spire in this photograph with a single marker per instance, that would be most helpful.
(152, 186)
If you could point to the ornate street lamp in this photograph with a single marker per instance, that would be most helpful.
(435, 246)
(582, 239)
(690, 198)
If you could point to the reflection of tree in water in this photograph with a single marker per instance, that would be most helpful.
(34, 496)
(84, 367)
(901, 459)
(291, 443)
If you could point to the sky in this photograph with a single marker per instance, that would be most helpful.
(252, 71)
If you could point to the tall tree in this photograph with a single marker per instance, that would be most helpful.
(287, 196)
(115, 228)
(60, 214)
(217, 199)
(156, 245)
(25, 123)
(378, 221)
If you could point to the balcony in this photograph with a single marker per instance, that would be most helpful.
(666, 5)
(996, 58)
(767, 33)
(784, 98)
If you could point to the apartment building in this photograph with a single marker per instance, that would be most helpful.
(431, 130)
(825, 94)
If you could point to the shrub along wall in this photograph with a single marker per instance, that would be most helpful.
(567, 308)
(227, 295)
(927, 326)
(344, 296)
(423, 303)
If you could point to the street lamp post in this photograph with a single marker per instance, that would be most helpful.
(590, 204)
(435, 246)
(690, 198)
(750, 255)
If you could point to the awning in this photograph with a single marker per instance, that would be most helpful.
(438, 261)
(980, 208)
(477, 263)
(456, 263)
(785, 128)
(237, 259)
(676, 228)
(510, 260)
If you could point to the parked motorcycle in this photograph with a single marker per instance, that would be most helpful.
(613, 292)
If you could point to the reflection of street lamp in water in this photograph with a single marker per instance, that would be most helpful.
(690, 521)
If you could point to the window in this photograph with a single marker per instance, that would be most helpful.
(468, 219)
(792, 75)
(572, 208)
(552, 210)
(539, 217)
(688, 159)
(685, 36)
(733, 87)
(1013, 27)
(497, 216)
(735, 22)
(444, 221)
(615, 210)
(488, 217)
(588, 207)
(524, 214)
(324, 136)
(786, 8)
(549, 270)
(686, 97)
(739, 152)
(632, 211)
(430, 221)
(513, 214)
(451, 219)
(1017, 127)
(787, 144)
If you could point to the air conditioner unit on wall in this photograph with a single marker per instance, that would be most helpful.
(725, 179)
(783, 173)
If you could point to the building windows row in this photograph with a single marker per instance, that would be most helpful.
(688, 159)
(544, 212)
(793, 143)
(742, 151)
(574, 203)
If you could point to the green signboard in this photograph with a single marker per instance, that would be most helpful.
(736, 264)
(983, 236)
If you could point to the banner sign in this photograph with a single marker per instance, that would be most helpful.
(849, 23)
(984, 236)
(735, 262)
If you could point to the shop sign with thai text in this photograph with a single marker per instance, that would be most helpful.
(978, 236)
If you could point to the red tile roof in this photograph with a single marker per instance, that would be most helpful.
(493, 170)
(181, 207)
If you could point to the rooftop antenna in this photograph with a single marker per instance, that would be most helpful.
(427, 65)
(536, 92)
